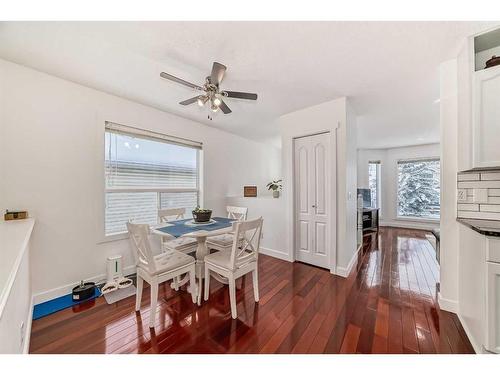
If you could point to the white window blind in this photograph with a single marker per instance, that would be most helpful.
(144, 172)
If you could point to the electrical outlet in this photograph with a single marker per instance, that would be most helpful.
(462, 195)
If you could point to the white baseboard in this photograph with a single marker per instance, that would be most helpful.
(409, 225)
(27, 331)
(447, 304)
(478, 348)
(345, 271)
(66, 289)
(275, 254)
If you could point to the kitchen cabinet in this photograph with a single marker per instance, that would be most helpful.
(486, 118)
(478, 109)
(492, 331)
(493, 308)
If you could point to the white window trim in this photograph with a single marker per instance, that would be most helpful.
(102, 237)
(415, 218)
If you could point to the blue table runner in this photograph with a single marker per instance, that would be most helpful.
(179, 227)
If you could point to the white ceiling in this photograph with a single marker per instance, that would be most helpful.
(390, 70)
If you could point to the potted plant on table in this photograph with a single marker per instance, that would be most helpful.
(201, 215)
(276, 187)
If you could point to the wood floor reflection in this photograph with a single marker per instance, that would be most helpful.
(387, 305)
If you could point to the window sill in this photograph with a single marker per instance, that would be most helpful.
(113, 237)
(416, 218)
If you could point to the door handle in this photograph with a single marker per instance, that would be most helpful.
(313, 206)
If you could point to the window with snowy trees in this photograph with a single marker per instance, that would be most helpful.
(418, 188)
(374, 182)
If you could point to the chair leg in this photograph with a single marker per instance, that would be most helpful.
(175, 282)
(154, 302)
(192, 283)
(200, 288)
(138, 293)
(255, 279)
(232, 296)
(207, 282)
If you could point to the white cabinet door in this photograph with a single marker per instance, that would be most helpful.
(312, 175)
(493, 308)
(486, 124)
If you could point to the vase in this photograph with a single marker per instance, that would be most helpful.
(276, 194)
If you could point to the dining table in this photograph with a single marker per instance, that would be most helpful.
(199, 231)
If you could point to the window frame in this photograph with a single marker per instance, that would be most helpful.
(159, 137)
(416, 218)
(378, 163)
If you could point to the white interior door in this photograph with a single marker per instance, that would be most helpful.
(312, 198)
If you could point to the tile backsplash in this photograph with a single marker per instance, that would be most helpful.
(479, 195)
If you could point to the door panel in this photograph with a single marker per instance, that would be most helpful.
(320, 237)
(320, 177)
(312, 199)
(302, 178)
(304, 235)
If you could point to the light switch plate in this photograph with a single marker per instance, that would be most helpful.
(479, 195)
(462, 195)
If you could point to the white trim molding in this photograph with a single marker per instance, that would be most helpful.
(275, 254)
(407, 224)
(477, 347)
(345, 271)
(447, 304)
(66, 289)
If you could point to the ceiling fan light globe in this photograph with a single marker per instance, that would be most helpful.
(201, 101)
(217, 102)
(214, 108)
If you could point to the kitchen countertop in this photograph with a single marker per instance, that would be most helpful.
(486, 227)
(14, 237)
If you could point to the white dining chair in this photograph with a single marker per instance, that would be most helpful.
(156, 269)
(224, 242)
(242, 259)
(183, 244)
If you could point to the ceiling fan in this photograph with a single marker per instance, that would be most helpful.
(211, 93)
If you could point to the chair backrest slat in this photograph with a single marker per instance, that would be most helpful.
(139, 236)
(237, 213)
(168, 214)
(246, 241)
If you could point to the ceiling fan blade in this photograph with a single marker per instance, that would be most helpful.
(240, 95)
(179, 80)
(224, 108)
(189, 101)
(218, 71)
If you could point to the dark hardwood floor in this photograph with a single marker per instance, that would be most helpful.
(388, 306)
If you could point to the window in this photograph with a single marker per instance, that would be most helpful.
(374, 183)
(418, 188)
(146, 171)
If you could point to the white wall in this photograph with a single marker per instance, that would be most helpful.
(389, 159)
(273, 212)
(448, 296)
(331, 116)
(52, 157)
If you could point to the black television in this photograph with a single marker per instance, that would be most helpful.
(367, 197)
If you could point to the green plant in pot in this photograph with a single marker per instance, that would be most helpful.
(276, 187)
(201, 215)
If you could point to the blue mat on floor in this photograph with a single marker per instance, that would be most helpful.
(58, 304)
